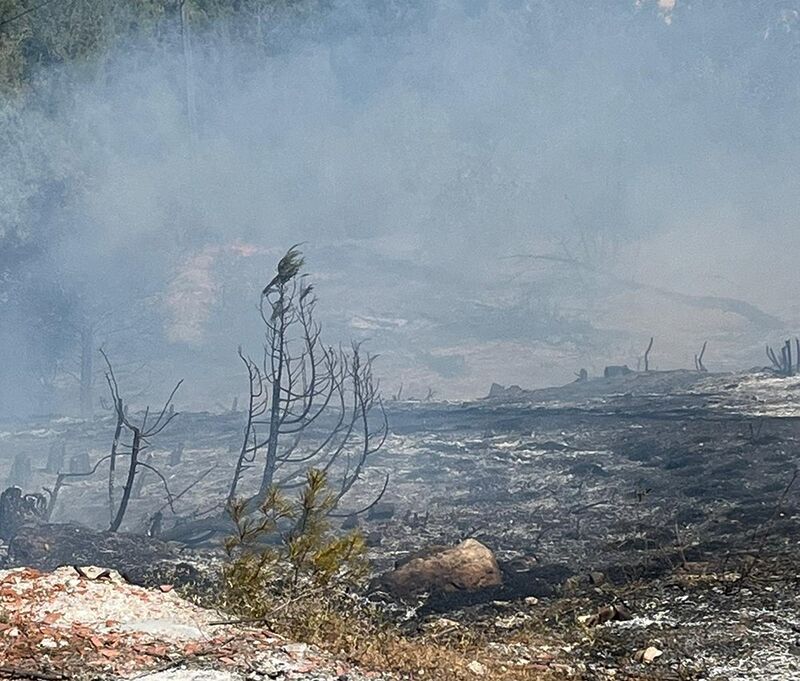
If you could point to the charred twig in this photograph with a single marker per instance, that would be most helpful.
(680, 546)
(18, 673)
(366, 508)
(185, 490)
(61, 477)
(767, 528)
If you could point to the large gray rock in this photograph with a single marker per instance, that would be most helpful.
(470, 566)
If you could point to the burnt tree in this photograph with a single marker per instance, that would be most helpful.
(309, 406)
(298, 382)
(698, 359)
(784, 364)
(140, 434)
(647, 355)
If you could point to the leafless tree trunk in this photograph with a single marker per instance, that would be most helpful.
(141, 434)
(647, 355)
(785, 365)
(188, 70)
(698, 359)
(296, 386)
(86, 375)
(300, 381)
(128, 488)
(119, 411)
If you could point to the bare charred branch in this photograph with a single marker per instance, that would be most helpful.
(141, 435)
(647, 355)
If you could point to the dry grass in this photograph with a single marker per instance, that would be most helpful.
(288, 569)
(356, 632)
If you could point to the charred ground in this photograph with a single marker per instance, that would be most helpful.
(670, 494)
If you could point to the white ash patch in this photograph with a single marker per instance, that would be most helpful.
(190, 675)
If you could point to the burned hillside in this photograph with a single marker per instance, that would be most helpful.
(399, 339)
(671, 495)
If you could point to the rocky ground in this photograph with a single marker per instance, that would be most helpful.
(90, 623)
(651, 513)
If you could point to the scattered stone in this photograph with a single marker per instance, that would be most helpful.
(110, 629)
(597, 578)
(605, 614)
(476, 668)
(648, 655)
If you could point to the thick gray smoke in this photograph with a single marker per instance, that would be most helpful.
(422, 152)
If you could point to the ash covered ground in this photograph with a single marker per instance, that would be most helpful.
(669, 496)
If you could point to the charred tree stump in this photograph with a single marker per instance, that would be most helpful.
(55, 457)
(797, 354)
(785, 365)
(80, 463)
(20, 473)
(156, 525)
(17, 509)
(176, 455)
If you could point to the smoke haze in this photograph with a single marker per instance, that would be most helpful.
(486, 191)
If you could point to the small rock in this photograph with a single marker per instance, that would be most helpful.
(382, 511)
(648, 655)
(606, 614)
(476, 668)
(596, 578)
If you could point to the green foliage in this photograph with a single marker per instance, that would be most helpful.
(287, 552)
